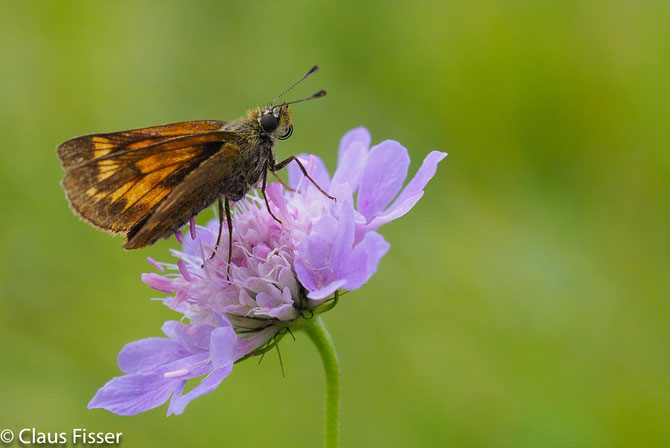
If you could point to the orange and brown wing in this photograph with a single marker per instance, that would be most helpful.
(88, 147)
(198, 190)
(117, 191)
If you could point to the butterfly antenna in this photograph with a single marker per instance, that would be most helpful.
(304, 77)
(318, 94)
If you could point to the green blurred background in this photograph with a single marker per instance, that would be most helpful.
(525, 299)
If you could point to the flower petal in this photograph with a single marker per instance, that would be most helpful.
(411, 193)
(312, 261)
(359, 135)
(322, 256)
(179, 402)
(315, 168)
(199, 336)
(222, 346)
(132, 394)
(364, 260)
(204, 238)
(382, 178)
(282, 312)
(326, 291)
(275, 195)
(189, 367)
(352, 156)
(148, 354)
(193, 338)
(343, 238)
(305, 272)
(249, 342)
(158, 282)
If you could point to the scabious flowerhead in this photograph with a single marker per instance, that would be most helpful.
(280, 273)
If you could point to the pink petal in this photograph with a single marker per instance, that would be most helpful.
(411, 193)
(148, 354)
(179, 402)
(359, 135)
(382, 178)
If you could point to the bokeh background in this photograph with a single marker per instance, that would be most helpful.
(525, 299)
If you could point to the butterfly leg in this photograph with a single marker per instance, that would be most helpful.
(265, 196)
(281, 181)
(283, 163)
(229, 218)
(218, 238)
(230, 231)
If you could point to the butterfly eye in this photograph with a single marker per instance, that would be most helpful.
(289, 133)
(269, 122)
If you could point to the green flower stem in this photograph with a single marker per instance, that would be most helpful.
(316, 330)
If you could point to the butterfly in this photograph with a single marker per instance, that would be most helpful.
(148, 183)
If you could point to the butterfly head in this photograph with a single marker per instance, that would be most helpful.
(276, 122)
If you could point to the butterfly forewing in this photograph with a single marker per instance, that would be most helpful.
(119, 190)
(89, 147)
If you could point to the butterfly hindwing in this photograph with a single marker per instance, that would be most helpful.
(88, 147)
(197, 191)
(119, 190)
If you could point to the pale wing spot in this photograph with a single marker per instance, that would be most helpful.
(95, 195)
(102, 175)
(150, 163)
(153, 198)
(142, 187)
(106, 167)
(100, 152)
(102, 146)
(100, 141)
(143, 143)
(119, 192)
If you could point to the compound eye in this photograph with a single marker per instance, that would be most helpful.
(289, 132)
(269, 122)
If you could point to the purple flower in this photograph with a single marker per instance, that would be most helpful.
(280, 274)
(157, 368)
